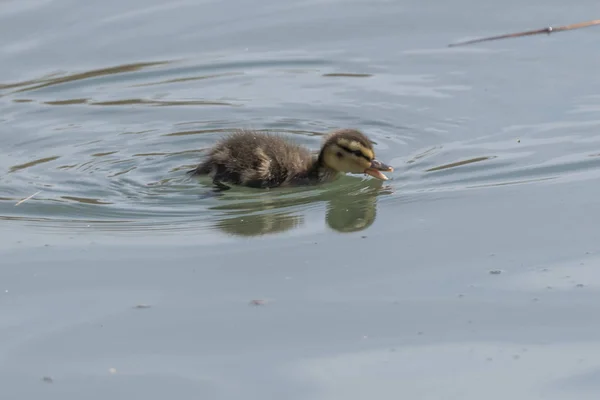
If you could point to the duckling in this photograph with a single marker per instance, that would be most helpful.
(261, 160)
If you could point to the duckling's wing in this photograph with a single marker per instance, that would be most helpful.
(279, 160)
(255, 159)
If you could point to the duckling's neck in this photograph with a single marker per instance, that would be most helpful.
(320, 172)
(314, 172)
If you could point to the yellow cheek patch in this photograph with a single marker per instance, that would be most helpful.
(353, 145)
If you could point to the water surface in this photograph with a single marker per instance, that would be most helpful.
(469, 274)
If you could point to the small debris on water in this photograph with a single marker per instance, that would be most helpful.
(496, 272)
(112, 371)
(363, 237)
(580, 285)
(27, 198)
(47, 379)
(258, 302)
(142, 306)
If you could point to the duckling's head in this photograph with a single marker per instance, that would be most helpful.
(350, 151)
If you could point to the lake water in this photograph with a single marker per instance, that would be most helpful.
(470, 274)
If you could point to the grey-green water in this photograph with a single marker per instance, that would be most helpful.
(470, 274)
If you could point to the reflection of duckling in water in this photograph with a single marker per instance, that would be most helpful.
(260, 224)
(348, 210)
(262, 160)
(357, 211)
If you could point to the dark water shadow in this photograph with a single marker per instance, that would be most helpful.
(133, 101)
(54, 80)
(229, 130)
(346, 75)
(458, 164)
(33, 163)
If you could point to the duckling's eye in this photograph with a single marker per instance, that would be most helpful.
(339, 154)
(356, 152)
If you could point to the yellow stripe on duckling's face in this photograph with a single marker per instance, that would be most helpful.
(355, 146)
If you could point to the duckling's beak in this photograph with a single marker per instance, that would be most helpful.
(377, 166)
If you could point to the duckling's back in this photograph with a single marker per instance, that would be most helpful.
(258, 160)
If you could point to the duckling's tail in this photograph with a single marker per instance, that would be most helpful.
(201, 169)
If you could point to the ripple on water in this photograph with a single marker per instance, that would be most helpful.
(190, 204)
(518, 155)
(95, 151)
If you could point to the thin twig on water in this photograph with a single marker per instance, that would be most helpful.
(547, 30)
(27, 198)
